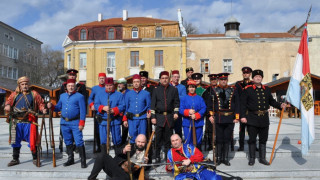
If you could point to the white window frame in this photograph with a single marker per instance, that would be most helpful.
(160, 56)
(203, 63)
(111, 59)
(136, 62)
(6, 50)
(83, 60)
(158, 32)
(227, 65)
(69, 61)
(15, 73)
(135, 33)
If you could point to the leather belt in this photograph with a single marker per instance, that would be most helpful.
(225, 113)
(136, 115)
(71, 119)
(260, 113)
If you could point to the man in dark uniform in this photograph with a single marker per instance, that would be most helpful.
(226, 112)
(208, 96)
(145, 85)
(189, 72)
(255, 101)
(197, 78)
(165, 105)
(240, 85)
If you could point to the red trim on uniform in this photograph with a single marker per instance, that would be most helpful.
(198, 116)
(194, 94)
(197, 156)
(186, 112)
(81, 123)
(264, 87)
(125, 118)
(101, 85)
(139, 89)
(91, 104)
(116, 111)
(100, 109)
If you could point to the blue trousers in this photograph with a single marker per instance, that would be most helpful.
(70, 133)
(22, 134)
(136, 127)
(115, 133)
(188, 135)
(201, 174)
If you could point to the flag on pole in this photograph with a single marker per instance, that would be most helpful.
(300, 93)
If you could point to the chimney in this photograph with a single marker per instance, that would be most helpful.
(99, 17)
(125, 15)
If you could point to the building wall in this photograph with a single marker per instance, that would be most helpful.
(149, 30)
(314, 47)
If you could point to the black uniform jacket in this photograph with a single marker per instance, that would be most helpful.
(254, 99)
(165, 100)
(149, 88)
(208, 97)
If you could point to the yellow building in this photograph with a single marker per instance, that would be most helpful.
(124, 46)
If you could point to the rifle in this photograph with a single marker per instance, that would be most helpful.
(213, 141)
(108, 126)
(51, 134)
(45, 134)
(141, 175)
(194, 138)
(128, 159)
(94, 131)
(39, 149)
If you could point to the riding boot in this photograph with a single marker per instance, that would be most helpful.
(252, 154)
(262, 155)
(82, 153)
(103, 148)
(35, 157)
(70, 156)
(219, 153)
(15, 156)
(225, 157)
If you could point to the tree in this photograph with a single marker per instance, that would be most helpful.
(215, 30)
(190, 28)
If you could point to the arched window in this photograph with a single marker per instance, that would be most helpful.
(83, 34)
(111, 33)
(158, 32)
(135, 33)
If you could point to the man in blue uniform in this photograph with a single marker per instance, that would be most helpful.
(175, 77)
(122, 87)
(192, 107)
(137, 105)
(96, 90)
(113, 109)
(73, 115)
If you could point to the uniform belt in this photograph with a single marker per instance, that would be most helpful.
(260, 113)
(225, 113)
(164, 113)
(136, 115)
(71, 119)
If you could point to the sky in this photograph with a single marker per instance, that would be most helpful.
(50, 20)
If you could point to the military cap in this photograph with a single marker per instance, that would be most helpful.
(189, 69)
(257, 72)
(213, 76)
(196, 76)
(109, 80)
(246, 69)
(163, 73)
(72, 71)
(144, 74)
(223, 75)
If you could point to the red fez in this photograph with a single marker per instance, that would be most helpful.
(136, 76)
(164, 73)
(192, 82)
(102, 75)
(109, 80)
(175, 72)
(71, 81)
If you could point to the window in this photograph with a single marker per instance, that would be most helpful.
(15, 53)
(158, 32)
(5, 50)
(134, 58)
(10, 52)
(83, 34)
(111, 59)
(227, 65)
(134, 32)
(83, 60)
(15, 73)
(4, 71)
(111, 33)
(1, 70)
(1, 47)
(6, 35)
(158, 56)
(204, 66)
(9, 72)
(69, 61)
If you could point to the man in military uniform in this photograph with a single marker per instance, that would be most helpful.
(165, 105)
(189, 72)
(240, 85)
(208, 96)
(122, 87)
(23, 104)
(73, 115)
(175, 77)
(144, 82)
(137, 104)
(96, 90)
(226, 112)
(255, 101)
(197, 78)
(109, 103)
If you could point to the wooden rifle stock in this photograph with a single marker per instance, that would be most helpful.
(129, 161)
(141, 175)
(39, 149)
(108, 126)
(194, 137)
(52, 138)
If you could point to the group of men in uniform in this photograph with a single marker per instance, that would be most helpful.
(182, 109)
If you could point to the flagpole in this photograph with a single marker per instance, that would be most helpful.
(309, 14)
(275, 141)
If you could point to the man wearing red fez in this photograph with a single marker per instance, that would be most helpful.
(96, 90)
(137, 104)
(73, 114)
(109, 103)
(175, 78)
(165, 105)
(23, 123)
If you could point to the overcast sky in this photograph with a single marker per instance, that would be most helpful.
(50, 20)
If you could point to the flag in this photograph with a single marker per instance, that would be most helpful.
(300, 93)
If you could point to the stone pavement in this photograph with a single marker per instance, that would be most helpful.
(288, 162)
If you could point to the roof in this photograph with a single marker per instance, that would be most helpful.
(285, 80)
(206, 35)
(132, 20)
(249, 35)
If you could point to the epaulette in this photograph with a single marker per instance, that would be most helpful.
(248, 86)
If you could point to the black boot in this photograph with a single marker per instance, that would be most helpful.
(252, 154)
(219, 153)
(262, 155)
(35, 157)
(82, 153)
(103, 148)
(15, 156)
(225, 156)
(70, 156)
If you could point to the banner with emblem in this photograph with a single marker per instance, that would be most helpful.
(300, 93)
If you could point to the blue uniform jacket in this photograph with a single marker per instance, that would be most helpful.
(72, 106)
(95, 90)
(181, 90)
(138, 102)
(116, 103)
(195, 102)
